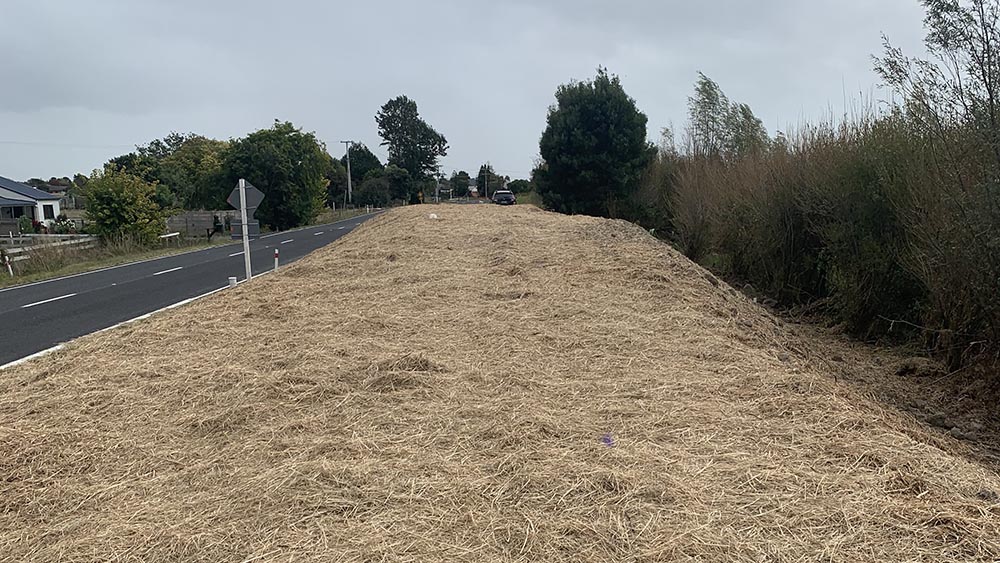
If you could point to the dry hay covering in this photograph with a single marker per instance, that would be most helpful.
(498, 384)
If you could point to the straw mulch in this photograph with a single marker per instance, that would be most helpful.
(496, 384)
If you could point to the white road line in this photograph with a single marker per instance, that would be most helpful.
(338, 228)
(170, 270)
(316, 234)
(285, 241)
(236, 253)
(28, 306)
(32, 357)
(58, 347)
(24, 285)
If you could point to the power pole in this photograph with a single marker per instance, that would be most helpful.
(350, 196)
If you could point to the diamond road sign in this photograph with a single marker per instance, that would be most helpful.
(254, 197)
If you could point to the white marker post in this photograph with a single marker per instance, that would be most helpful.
(276, 259)
(246, 228)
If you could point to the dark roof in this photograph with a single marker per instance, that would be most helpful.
(16, 202)
(26, 191)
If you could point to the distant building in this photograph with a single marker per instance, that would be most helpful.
(17, 200)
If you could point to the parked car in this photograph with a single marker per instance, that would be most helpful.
(504, 197)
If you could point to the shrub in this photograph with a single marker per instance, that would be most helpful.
(122, 207)
(25, 224)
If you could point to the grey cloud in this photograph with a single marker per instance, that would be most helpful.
(119, 72)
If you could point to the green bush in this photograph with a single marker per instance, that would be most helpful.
(25, 225)
(123, 207)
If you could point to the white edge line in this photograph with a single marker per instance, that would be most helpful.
(32, 357)
(13, 287)
(58, 347)
(37, 303)
(168, 271)
(87, 273)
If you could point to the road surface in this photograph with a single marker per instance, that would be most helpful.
(38, 316)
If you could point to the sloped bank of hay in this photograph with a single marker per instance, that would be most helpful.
(496, 384)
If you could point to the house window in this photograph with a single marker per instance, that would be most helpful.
(49, 211)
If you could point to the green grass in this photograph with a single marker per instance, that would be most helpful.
(53, 265)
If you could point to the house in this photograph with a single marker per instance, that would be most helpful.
(17, 199)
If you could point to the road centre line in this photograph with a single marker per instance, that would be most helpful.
(168, 271)
(287, 241)
(29, 305)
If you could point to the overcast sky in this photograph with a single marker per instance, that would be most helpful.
(82, 81)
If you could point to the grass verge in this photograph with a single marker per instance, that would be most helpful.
(53, 263)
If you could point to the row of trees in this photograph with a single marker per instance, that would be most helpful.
(134, 192)
(889, 223)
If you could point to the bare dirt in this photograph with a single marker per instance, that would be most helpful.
(497, 384)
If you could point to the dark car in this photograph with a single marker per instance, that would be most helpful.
(504, 197)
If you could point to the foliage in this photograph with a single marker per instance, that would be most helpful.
(520, 186)
(413, 145)
(185, 167)
(720, 128)
(459, 182)
(123, 207)
(363, 161)
(288, 165)
(400, 182)
(336, 189)
(62, 225)
(374, 191)
(192, 170)
(890, 222)
(25, 225)
(594, 148)
(488, 181)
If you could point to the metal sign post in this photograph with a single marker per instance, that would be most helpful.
(246, 230)
(247, 199)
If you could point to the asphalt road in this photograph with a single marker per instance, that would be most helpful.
(38, 316)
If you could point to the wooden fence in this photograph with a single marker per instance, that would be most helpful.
(74, 242)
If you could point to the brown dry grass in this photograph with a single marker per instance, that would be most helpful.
(495, 385)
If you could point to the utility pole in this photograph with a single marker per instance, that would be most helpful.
(350, 197)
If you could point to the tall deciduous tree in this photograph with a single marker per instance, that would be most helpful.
(413, 144)
(288, 165)
(185, 168)
(594, 147)
(363, 161)
(192, 170)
